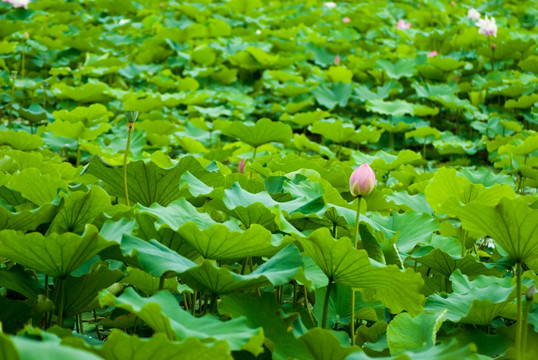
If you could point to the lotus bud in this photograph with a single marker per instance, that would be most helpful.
(403, 25)
(362, 181)
(337, 60)
(241, 166)
(529, 295)
(432, 54)
(346, 19)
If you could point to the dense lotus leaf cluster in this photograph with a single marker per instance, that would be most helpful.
(175, 179)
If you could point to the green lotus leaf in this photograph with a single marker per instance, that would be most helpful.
(164, 315)
(447, 191)
(526, 147)
(146, 283)
(401, 68)
(522, 102)
(448, 351)
(398, 290)
(87, 93)
(415, 202)
(324, 345)
(364, 93)
(277, 271)
(334, 130)
(24, 182)
(339, 74)
(81, 291)
(120, 346)
(444, 263)
(49, 349)
(413, 227)
(475, 302)
(220, 243)
(339, 94)
(395, 108)
(255, 310)
(17, 279)
(446, 63)
(20, 140)
(511, 223)
(147, 183)
(79, 209)
(27, 220)
(529, 64)
(263, 132)
(55, 255)
(405, 333)
(89, 116)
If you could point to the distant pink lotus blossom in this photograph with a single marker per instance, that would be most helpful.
(337, 60)
(18, 3)
(433, 53)
(403, 25)
(241, 166)
(346, 19)
(473, 14)
(487, 27)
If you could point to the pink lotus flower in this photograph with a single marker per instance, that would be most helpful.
(487, 27)
(337, 60)
(403, 25)
(473, 14)
(241, 166)
(432, 54)
(362, 181)
(18, 3)
(346, 20)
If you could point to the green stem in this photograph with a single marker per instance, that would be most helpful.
(355, 234)
(213, 309)
(125, 157)
(492, 58)
(77, 162)
(194, 303)
(326, 305)
(161, 282)
(391, 140)
(61, 290)
(306, 305)
(519, 308)
(525, 327)
(253, 157)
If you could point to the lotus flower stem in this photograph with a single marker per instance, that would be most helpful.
(96, 324)
(306, 305)
(61, 294)
(355, 234)
(519, 308)
(326, 304)
(125, 158)
(161, 282)
(529, 297)
(253, 157)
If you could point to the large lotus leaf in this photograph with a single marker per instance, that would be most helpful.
(279, 270)
(257, 310)
(446, 264)
(324, 345)
(120, 346)
(154, 257)
(395, 108)
(334, 130)
(164, 315)
(415, 202)
(90, 116)
(364, 93)
(401, 68)
(20, 140)
(524, 148)
(19, 280)
(413, 227)
(27, 220)
(146, 283)
(8, 351)
(330, 97)
(339, 308)
(263, 132)
(398, 290)
(79, 209)
(81, 291)
(305, 118)
(55, 255)
(77, 130)
(448, 191)
(172, 239)
(405, 333)
(179, 213)
(219, 243)
(25, 183)
(486, 177)
(445, 63)
(450, 351)
(48, 350)
(87, 93)
(511, 223)
(475, 302)
(147, 183)
(523, 102)
(385, 161)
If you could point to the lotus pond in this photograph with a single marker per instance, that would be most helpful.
(175, 179)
